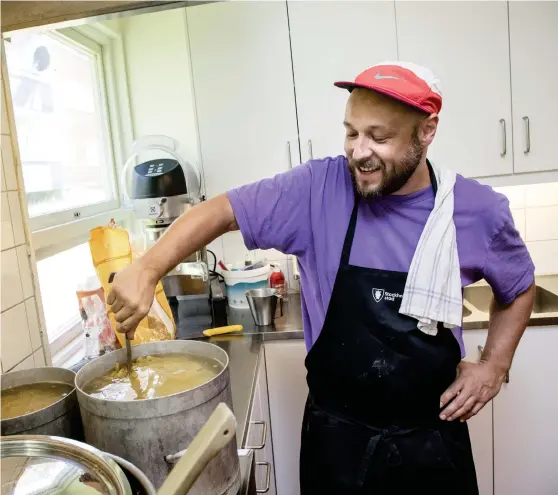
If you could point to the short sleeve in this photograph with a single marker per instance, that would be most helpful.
(508, 269)
(275, 213)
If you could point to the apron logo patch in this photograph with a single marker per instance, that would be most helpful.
(379, 294)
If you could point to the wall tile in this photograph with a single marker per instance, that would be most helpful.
(8, 164)
(7, 232)
(515, 195)
(5, 129)
(17, 218)
(25, 271)
(519, 220)
(27, 364)
(271, 254)
(33, 323)
(16, 343)
(11, 293)
(3, 179)
(234, 249)
(39, 358)
(541, 194)
(542, 223)
(544, 256)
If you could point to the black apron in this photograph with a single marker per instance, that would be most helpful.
(371, 423)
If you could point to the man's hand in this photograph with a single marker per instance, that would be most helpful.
(131, 296)
(476, 384)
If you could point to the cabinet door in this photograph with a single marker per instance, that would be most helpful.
(525, 413)
(287, 389)
(480, 426)
(534, 69)
(243, 82)
(334, 41)
(466, 45)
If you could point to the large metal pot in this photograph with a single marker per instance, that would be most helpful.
(145, 432)
(60, 419)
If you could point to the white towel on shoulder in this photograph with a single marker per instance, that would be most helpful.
(433, 289)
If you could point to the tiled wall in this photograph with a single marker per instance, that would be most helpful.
(535, 212)
(21, 343)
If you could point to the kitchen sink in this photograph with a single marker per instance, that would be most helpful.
(480, 297)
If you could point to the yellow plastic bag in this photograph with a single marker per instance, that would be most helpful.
(111, 253)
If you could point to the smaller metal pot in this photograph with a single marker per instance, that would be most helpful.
(61, 419)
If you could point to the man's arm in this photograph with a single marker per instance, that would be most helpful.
(133, 288)
(478, 383)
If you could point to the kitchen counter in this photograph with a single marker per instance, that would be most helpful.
(244, 353)
(477, 298)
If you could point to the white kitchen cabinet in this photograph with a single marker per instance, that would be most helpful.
(287, 389)
(525, 413)
(466, 45)
(534, 78)
(260, 437)
(243, 83)
(480, 426)
(332, 41)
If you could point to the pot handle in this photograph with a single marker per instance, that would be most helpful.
(217, 432)
(132, 469)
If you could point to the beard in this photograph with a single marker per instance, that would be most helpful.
(393, 178)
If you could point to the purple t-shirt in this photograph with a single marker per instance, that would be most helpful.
(306, 211)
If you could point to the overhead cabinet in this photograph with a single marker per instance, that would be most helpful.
(334, 41)
(534, 82)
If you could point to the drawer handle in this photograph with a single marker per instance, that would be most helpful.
(527, 125)
(507, 377)
(310, 151)
(264, 436)
(289, 156)
(504, 137)
(267, 477)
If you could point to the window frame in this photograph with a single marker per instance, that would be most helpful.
(74, 39)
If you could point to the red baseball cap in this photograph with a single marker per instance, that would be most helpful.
(410, 83)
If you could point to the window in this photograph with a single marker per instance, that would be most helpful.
(59, 278)
(62, 124)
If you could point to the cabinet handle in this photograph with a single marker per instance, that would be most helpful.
(267, 477)
(289, 158)
(264, 436)
(504, 142)
(507, 377)
(527, 126)
(310, 151)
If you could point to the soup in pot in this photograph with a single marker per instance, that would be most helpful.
(154, 376)
(26, 399)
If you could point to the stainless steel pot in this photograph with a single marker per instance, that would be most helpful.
(59, 419)
(34, 464)
(145, 432)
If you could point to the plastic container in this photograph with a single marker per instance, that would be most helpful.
(238, 282)
(277, 281)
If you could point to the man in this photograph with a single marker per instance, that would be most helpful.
(387, 402)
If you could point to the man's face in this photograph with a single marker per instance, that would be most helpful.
(381, 142)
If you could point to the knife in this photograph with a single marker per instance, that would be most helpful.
(210, 332)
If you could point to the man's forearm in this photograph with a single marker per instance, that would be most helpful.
(189, 233)
(506, 326)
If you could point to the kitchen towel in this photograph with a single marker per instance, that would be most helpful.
(433, 289)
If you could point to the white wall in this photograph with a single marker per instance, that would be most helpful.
(535, 213)
(21, 318)
(159, 78)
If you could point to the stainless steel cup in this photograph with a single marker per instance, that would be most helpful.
(263, 303)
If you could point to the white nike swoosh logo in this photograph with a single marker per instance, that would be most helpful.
(379, 76)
